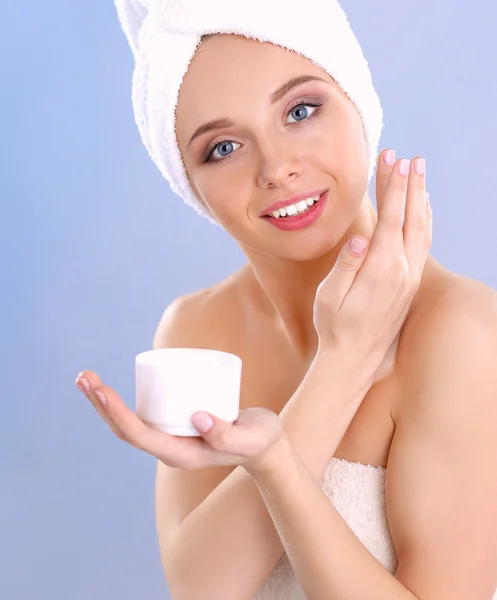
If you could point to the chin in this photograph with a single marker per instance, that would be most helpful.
(305, 253)
(311, 243)
(304, 248)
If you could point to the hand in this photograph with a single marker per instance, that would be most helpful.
(362, 303)
(250, 441)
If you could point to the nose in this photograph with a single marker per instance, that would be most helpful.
(279, 164)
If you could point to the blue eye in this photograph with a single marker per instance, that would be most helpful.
(225, 147)
(301, 108)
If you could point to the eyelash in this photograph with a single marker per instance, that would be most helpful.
(206, 158)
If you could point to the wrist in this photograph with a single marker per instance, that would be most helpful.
(344, 366)
(273, 460)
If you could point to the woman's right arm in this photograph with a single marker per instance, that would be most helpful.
(217, 539)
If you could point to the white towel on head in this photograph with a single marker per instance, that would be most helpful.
(164, 35)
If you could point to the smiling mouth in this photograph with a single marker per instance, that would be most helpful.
(296, 211)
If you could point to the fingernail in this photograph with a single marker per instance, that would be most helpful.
(83, 385)
(202, 422)
(404, 166)
(101, 397)
(357, 245)
(419, 165)
(389, 157)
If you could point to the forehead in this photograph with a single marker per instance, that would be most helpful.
(231, 70)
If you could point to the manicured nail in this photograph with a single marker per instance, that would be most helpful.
(101, 397)
(389, 157)
(404, 166)
(357, 245)
(202, 422)
(419, 165)
(83, 385)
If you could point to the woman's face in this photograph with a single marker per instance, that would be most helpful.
(309, 138)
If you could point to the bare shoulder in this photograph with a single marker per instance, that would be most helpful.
(454, 317)
(207, 318)
(444, 449)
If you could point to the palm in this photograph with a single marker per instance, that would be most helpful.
(251, 435)
(242, 443)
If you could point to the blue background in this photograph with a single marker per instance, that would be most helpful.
(94, 245)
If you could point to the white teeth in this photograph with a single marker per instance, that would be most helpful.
(293, 209)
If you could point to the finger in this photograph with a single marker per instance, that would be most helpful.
(217, 432)
(126, 425)
(236, 441)
(333, 289)
(385, 163)
(175, 451)
(224, 437)
(387, 237)
(414, 229)
(87, 382)
(428, 230)
(429, 219)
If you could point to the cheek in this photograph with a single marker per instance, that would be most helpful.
(212, 190)
(343, 155)
(355, 148)
(222, 193)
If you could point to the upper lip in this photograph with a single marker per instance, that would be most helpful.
(293, 200)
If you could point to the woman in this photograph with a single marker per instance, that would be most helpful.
(358, 369)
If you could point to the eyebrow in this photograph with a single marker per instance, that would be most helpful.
(275, 97)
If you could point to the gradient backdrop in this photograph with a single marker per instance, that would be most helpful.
(94, 245)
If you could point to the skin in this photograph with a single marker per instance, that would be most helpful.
(274, 157)
(264, 313)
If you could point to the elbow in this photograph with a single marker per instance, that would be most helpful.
(196, 578)
(184, 583)
(182, 578)
(175, 575)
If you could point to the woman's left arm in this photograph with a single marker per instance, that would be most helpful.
(441, 479)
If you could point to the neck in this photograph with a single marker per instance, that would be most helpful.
(287, 288)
